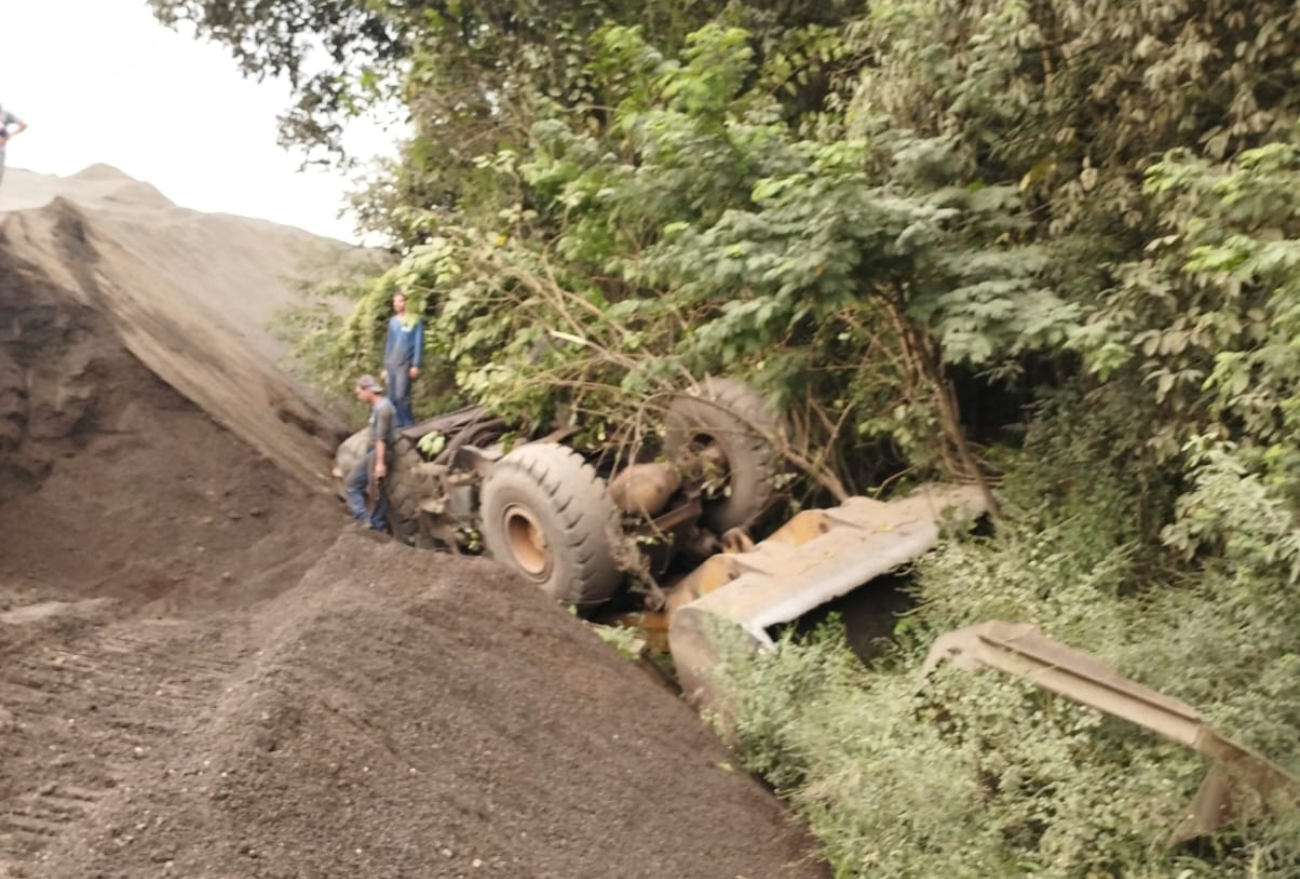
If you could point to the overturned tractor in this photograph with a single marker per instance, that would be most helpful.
(578, 523)
(679, 520)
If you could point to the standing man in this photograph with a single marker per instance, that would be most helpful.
(378, 458)
(403, 350)
(7, 119)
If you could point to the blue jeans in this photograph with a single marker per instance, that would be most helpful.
(399, 392)
(354, 489)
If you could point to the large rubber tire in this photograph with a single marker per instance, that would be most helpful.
(547, 515)
(738, 419)
(349, 454)
(404, 491)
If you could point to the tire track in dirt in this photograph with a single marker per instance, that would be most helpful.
(87, 711)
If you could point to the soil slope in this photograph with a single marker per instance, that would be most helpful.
(190, 295)
(405, 719)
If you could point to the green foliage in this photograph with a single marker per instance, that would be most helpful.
(970, 777)
(1087, 208)
(977, 775)
(710, 236)
(1236, 633)
(335, 327)
(337, 333)
(622, 639)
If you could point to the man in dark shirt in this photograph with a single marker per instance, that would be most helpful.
(378, 458)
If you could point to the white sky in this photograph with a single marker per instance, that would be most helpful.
(101, 81)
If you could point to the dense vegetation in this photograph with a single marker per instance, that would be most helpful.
(1046, 244)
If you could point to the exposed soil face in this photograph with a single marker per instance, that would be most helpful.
(184, 298)
(115, 486)
(205, 673)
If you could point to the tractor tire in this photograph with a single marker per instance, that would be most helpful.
(404, 491)
(736, 418)
(349, 454)
(547, 515)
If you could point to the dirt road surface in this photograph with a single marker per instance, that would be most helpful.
(205, 673)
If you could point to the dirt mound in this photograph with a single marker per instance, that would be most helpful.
(100, 171)
(129, 522)
(413, 715)
(193, 296)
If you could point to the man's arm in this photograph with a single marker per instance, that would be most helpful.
(418, 344)
(383, 428)
(9, 135)
(390, 339)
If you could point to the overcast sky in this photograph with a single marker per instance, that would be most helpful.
(103, 81)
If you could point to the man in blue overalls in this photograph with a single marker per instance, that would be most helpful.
(7, 119)
(378, 458)
(403, 350)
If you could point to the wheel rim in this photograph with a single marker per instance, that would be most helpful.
(526, 541)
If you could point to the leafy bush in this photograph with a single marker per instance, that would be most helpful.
(1091, 204)
(978, 775)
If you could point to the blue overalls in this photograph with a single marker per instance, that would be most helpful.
(403, 348)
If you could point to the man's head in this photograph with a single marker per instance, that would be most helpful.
(399, 303)
(367, 389)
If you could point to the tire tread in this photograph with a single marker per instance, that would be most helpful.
(572, 497)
